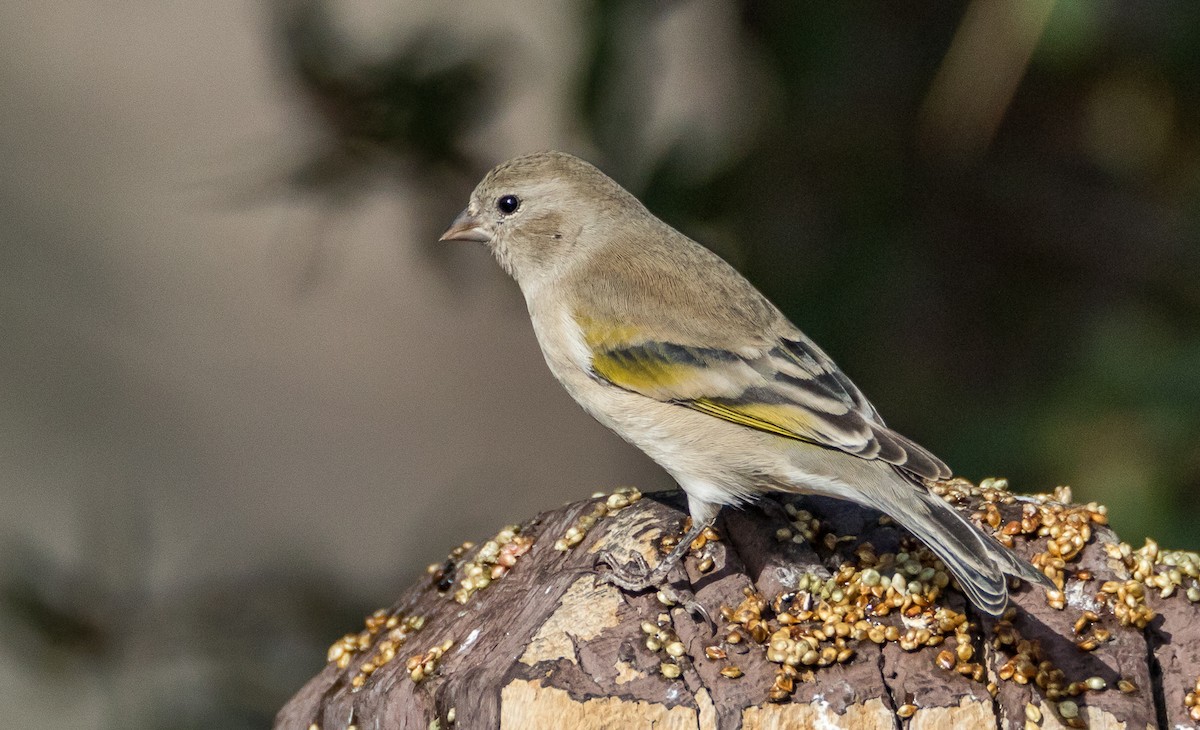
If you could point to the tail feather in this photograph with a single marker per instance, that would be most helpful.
(978, 562)
(960, 545)
(1016, 567)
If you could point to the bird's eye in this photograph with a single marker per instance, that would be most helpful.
(508, 204)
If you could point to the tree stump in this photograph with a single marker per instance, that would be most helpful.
(823, 614)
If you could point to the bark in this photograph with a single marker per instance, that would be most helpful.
(810, 628)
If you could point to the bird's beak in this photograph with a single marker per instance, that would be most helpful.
(466, 227)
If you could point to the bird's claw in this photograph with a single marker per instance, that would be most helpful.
(687, 599)
(637, 575)
(633, 576)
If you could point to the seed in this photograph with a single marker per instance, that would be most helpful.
(705, 565)
(1068, 709)
(670, 671)
(731, 672)
(714, 652)
(906, 710)
(945, 659)
(1033, 712)
(675, 649)
(1126, 686)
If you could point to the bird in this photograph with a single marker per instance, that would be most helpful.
(665, 343)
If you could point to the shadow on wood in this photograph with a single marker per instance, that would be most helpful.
(824, 615)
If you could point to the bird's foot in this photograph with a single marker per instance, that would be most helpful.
(637, 576)
(634, 576)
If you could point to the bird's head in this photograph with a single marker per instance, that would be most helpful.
(542, 212)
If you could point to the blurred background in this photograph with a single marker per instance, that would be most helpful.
(247, 397)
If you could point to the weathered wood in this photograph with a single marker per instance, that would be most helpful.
(806, 632)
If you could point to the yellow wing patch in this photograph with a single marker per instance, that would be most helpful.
(763, 417)
(645, 376)
(617, 357)
(707, 380)
(790, 390)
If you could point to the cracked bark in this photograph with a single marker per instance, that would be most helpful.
(890, 692)
(543, 647)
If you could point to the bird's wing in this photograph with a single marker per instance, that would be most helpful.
(788, 387)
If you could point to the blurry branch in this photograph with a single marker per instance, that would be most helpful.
(50, 612)
(979, 75)
(612, 98)
(415, 103)
(245, 641)
(401, 116)
(624, 38)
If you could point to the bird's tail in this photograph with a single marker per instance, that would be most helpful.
(978, 562)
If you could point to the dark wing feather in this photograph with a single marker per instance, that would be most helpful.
(790, 389)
